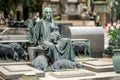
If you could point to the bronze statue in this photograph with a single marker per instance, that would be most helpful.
(55, 52)
(48, 38)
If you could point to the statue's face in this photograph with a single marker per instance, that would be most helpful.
(48, 13)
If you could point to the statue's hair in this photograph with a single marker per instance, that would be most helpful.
(46, 8)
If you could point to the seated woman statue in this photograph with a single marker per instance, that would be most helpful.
(48, 38)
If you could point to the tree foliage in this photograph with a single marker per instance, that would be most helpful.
(7, 5)
(118, 10)
(36, 5)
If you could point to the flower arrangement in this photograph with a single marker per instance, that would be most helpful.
(113, 31)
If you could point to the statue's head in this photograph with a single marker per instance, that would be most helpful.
(47, 13)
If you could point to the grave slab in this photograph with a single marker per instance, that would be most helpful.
(72, 73)
(15, 71)
(98, 76)
(98, 66)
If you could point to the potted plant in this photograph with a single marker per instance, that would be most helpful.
(113, 31)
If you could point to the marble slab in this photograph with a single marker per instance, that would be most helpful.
(72, 73)
(98, 66)
(98, 63)
(82, 59)
(17, 68)
(98, 76)
(15, 71)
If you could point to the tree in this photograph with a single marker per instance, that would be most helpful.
(117, 10)
(36, 5)
(7, 5)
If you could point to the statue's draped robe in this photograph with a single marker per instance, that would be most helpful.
(59, 48)
(30, 25)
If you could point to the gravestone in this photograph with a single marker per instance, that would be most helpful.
(94, 34)
(98, 66)
(11, 72)
(72, 73)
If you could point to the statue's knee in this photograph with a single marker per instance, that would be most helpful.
(67, 39)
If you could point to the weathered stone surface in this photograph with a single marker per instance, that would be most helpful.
(94, 34)
(28, 77)
(17, 68)
(98, 76)
(98, 66)
(12, 62)
(72, 73)
(15, 71)
(98, 63)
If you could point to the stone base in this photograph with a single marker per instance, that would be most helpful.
(31, 51)
(98, 66)
(11, 72)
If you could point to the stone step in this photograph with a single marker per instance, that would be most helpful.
(84, 58)
(98, 66)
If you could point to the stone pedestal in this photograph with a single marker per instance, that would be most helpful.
(31, 51)
(12, 72)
